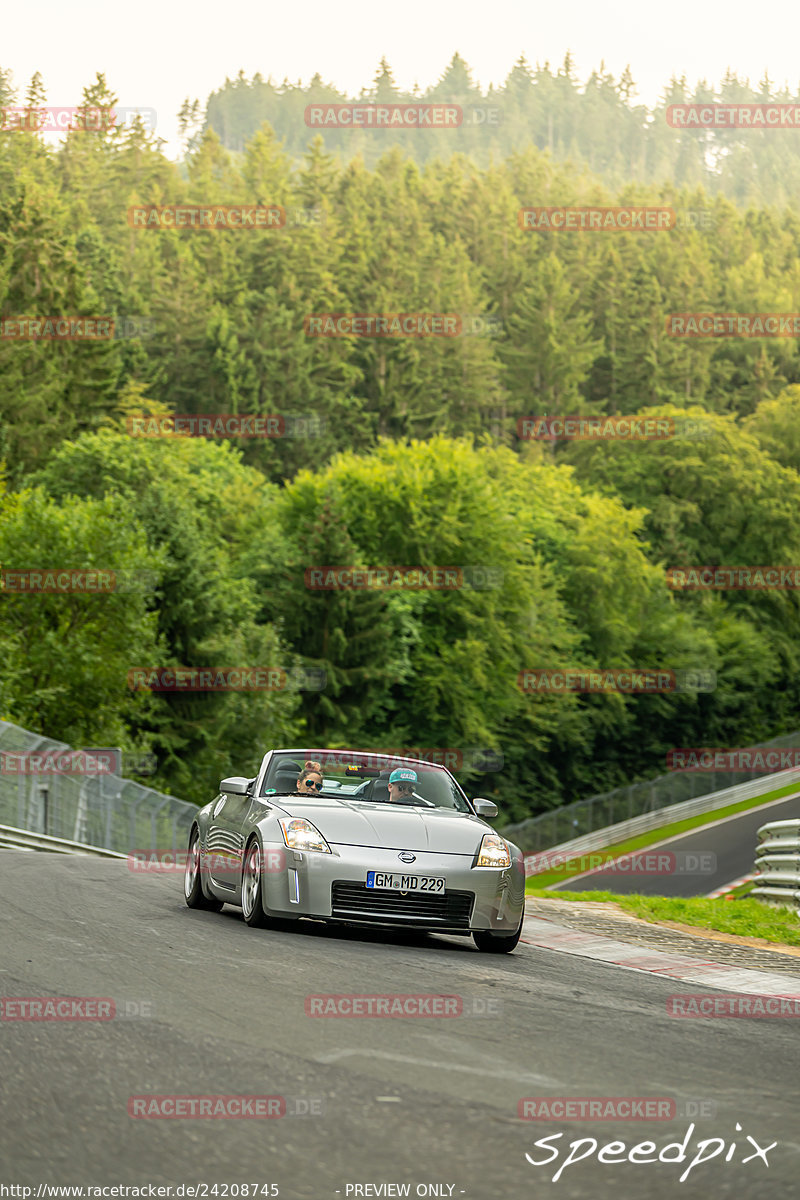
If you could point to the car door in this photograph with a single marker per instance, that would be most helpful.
(225, 845)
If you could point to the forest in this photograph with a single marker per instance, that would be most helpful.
(414, 445)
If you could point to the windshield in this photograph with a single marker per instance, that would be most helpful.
(363, 777)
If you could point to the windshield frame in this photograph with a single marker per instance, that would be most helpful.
(375, 759)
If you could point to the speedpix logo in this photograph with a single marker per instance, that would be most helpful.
(646, 1152)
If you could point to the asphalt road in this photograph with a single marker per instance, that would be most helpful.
(714, 857)
(403, 1101)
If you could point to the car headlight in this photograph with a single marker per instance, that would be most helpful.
(300, 834)
(493, 852)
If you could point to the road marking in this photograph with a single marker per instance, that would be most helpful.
(385, 1055)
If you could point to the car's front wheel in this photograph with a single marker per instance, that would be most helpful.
(252, 905)
(192, 882)
(497, 943)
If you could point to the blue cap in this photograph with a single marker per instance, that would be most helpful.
(403, 775)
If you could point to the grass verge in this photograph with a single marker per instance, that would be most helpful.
(573, 866)
(744, 918)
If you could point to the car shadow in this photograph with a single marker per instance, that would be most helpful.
(308, 927)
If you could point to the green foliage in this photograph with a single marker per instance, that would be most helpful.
(401, 451)
(65, 657)
(201, 512)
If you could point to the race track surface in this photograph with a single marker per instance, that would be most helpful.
(406, 1101)
(727, 847)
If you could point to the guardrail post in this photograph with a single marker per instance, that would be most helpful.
(109, 811)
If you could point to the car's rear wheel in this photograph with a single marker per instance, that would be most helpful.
(192, 880)
(497, 943)
(252, 903)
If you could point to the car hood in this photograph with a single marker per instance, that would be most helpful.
(401, 827)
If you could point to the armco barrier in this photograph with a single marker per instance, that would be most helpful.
(664, 816)
(102, 812)
(21, 839)
(777, 867)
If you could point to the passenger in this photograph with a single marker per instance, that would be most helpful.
(310, 778)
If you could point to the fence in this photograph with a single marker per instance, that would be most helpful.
(573, 821)
(777, 869)
(103, 811)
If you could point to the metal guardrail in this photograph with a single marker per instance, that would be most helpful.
(21, 839)
(563, 825)
(100, 812)
(777, 866)
(612, 834)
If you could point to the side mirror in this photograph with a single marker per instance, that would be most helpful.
(235, 786)
(484, 808)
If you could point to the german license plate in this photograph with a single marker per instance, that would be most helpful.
(405, 883)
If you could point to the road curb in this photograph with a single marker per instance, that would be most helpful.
(547, 935)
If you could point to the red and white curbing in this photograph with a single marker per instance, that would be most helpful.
(730, 887)
(548, 935)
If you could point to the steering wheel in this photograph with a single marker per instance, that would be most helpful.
(415, 799)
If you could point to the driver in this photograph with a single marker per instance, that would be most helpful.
(401, 784)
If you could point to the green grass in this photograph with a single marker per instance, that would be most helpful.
(573, 867)
(745, 918)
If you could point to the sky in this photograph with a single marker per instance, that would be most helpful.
(155, 55)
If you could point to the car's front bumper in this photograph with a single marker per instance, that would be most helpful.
(333, 887)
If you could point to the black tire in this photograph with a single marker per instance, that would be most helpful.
(193, 892)
(497, 943)
(252, 874)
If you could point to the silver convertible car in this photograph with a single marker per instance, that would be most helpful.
(363, 839)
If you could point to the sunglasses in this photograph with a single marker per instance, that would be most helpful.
(310, 784)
